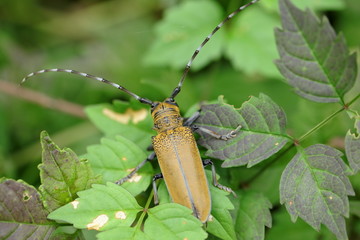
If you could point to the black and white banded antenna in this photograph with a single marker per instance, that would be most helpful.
(100, 79)
(188, 65)
(141, 99)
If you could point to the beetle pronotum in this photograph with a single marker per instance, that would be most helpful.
(174, 145)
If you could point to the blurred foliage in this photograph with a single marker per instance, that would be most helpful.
(113, 39)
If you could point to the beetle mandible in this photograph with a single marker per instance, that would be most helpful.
(174, 145)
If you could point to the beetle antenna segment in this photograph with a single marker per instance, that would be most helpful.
(140, 99)
(188, 65)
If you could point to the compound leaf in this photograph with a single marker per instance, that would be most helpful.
(312, 58)
(314, 186)
(173, 221)
(62, 174)
(262, 134)
(253, 215)
(115, 159)
(183, 29)
(100, 208)
(352, 147)
(22, 214)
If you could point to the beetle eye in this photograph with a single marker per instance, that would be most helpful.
(154, 105)
(171, 101)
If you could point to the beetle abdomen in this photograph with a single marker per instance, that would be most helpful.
(183, 171)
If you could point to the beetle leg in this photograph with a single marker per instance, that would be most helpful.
(149, 158)
(192, 119)
(207, 162)
(216, 135)
(156, 197)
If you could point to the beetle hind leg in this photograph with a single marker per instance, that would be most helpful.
(207, 162)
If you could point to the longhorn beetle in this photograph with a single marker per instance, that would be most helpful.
(174, 145)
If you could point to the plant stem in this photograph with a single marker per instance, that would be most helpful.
(143, 214)
(320, 124)
(353, 100)
(323, 122)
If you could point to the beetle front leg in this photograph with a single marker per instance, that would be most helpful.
(125, 179)
(207, 162)
(156, 197)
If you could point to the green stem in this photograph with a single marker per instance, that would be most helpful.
(354, 100)
(320, 124)
(326, 120)
(143, 214)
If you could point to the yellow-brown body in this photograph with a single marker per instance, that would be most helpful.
(180, 160)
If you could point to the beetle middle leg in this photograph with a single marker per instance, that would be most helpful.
(207, 162)
(125, 179)
(192, 119)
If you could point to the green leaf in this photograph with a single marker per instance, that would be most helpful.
(314, 186)
(220, 223)
(173, 221)
(285, 227)
(100, 207)
(114, 159)
(253, 215)
(352, 147)
(22, 214)
(355, 208)
(127, 123)
(262, 134)
(312, 58)
(123, 233)
(320, 4)
(246, 43)
(62, 174)
(182, 30)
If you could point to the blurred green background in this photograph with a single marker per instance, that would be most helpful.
(128, 43)
(144, 46)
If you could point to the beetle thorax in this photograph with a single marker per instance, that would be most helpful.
(166, 116)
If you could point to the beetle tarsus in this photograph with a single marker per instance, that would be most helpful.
(216, 135)
(207, 162)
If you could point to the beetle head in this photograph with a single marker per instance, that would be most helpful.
(166, 115)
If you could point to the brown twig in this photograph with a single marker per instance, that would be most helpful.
(42, 99)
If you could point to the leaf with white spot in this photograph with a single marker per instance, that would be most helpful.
(62, 174)
(114, 159)
(262, 134)
(313, 59)
(125, 119)
(22, 214)
(100, 207)
(352, 147)
(253, 215)
(173, 221)
(315, 186)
